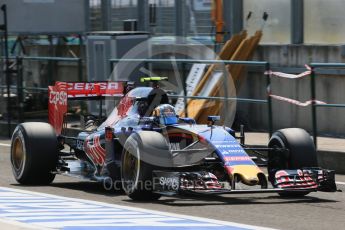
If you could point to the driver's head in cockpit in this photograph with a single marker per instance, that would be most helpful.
(165, 114)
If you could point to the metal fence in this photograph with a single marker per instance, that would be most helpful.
(314, 68)
(265, 66)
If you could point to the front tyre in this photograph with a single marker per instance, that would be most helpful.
(136, 173)
(301, 153)
(34, 153)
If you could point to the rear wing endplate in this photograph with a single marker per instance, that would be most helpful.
(61, 92)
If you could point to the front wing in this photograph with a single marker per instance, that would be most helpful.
(205, 183)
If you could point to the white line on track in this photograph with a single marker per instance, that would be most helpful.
(338, 182)
(9, 224)
(5, 145)
(159, 214)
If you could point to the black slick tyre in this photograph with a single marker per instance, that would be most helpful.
(34, 153)
(300, 153)
(136, 173)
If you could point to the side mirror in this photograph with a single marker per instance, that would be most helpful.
(213, 119)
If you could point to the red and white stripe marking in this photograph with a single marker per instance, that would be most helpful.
(295, 102)
(288, 75)
(292, 76)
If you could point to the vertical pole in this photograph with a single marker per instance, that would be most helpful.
(184, 89)
(87, 17)
(80, 69)
(153, 14)
(20, 89)
(106, 14)
(227, 19)
(233, 16)
(50, 62)
(297, 17)
(225, 103)
(112, 70)
(147, 67)
(218, 21)
(111, 64)
(269, 99)
(153, 17)
(180, 30)
(7, 70)
(143, 12)
(313, 105)
(100, 108)
(80, 60)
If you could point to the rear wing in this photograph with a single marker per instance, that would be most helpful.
(61, 92)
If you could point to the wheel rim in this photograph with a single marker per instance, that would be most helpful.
(18, 154)
(130, 171)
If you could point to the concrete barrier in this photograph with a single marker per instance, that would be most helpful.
(332, 160)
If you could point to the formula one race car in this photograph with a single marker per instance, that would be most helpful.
(150, 151)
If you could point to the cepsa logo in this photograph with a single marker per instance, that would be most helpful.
(80, 86)
(58, 98)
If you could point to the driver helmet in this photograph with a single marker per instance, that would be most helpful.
(165, 114)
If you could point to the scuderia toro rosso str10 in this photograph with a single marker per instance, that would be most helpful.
(144, 148)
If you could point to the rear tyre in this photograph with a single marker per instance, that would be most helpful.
(301, 154)
(136, 174)
(34, 153)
